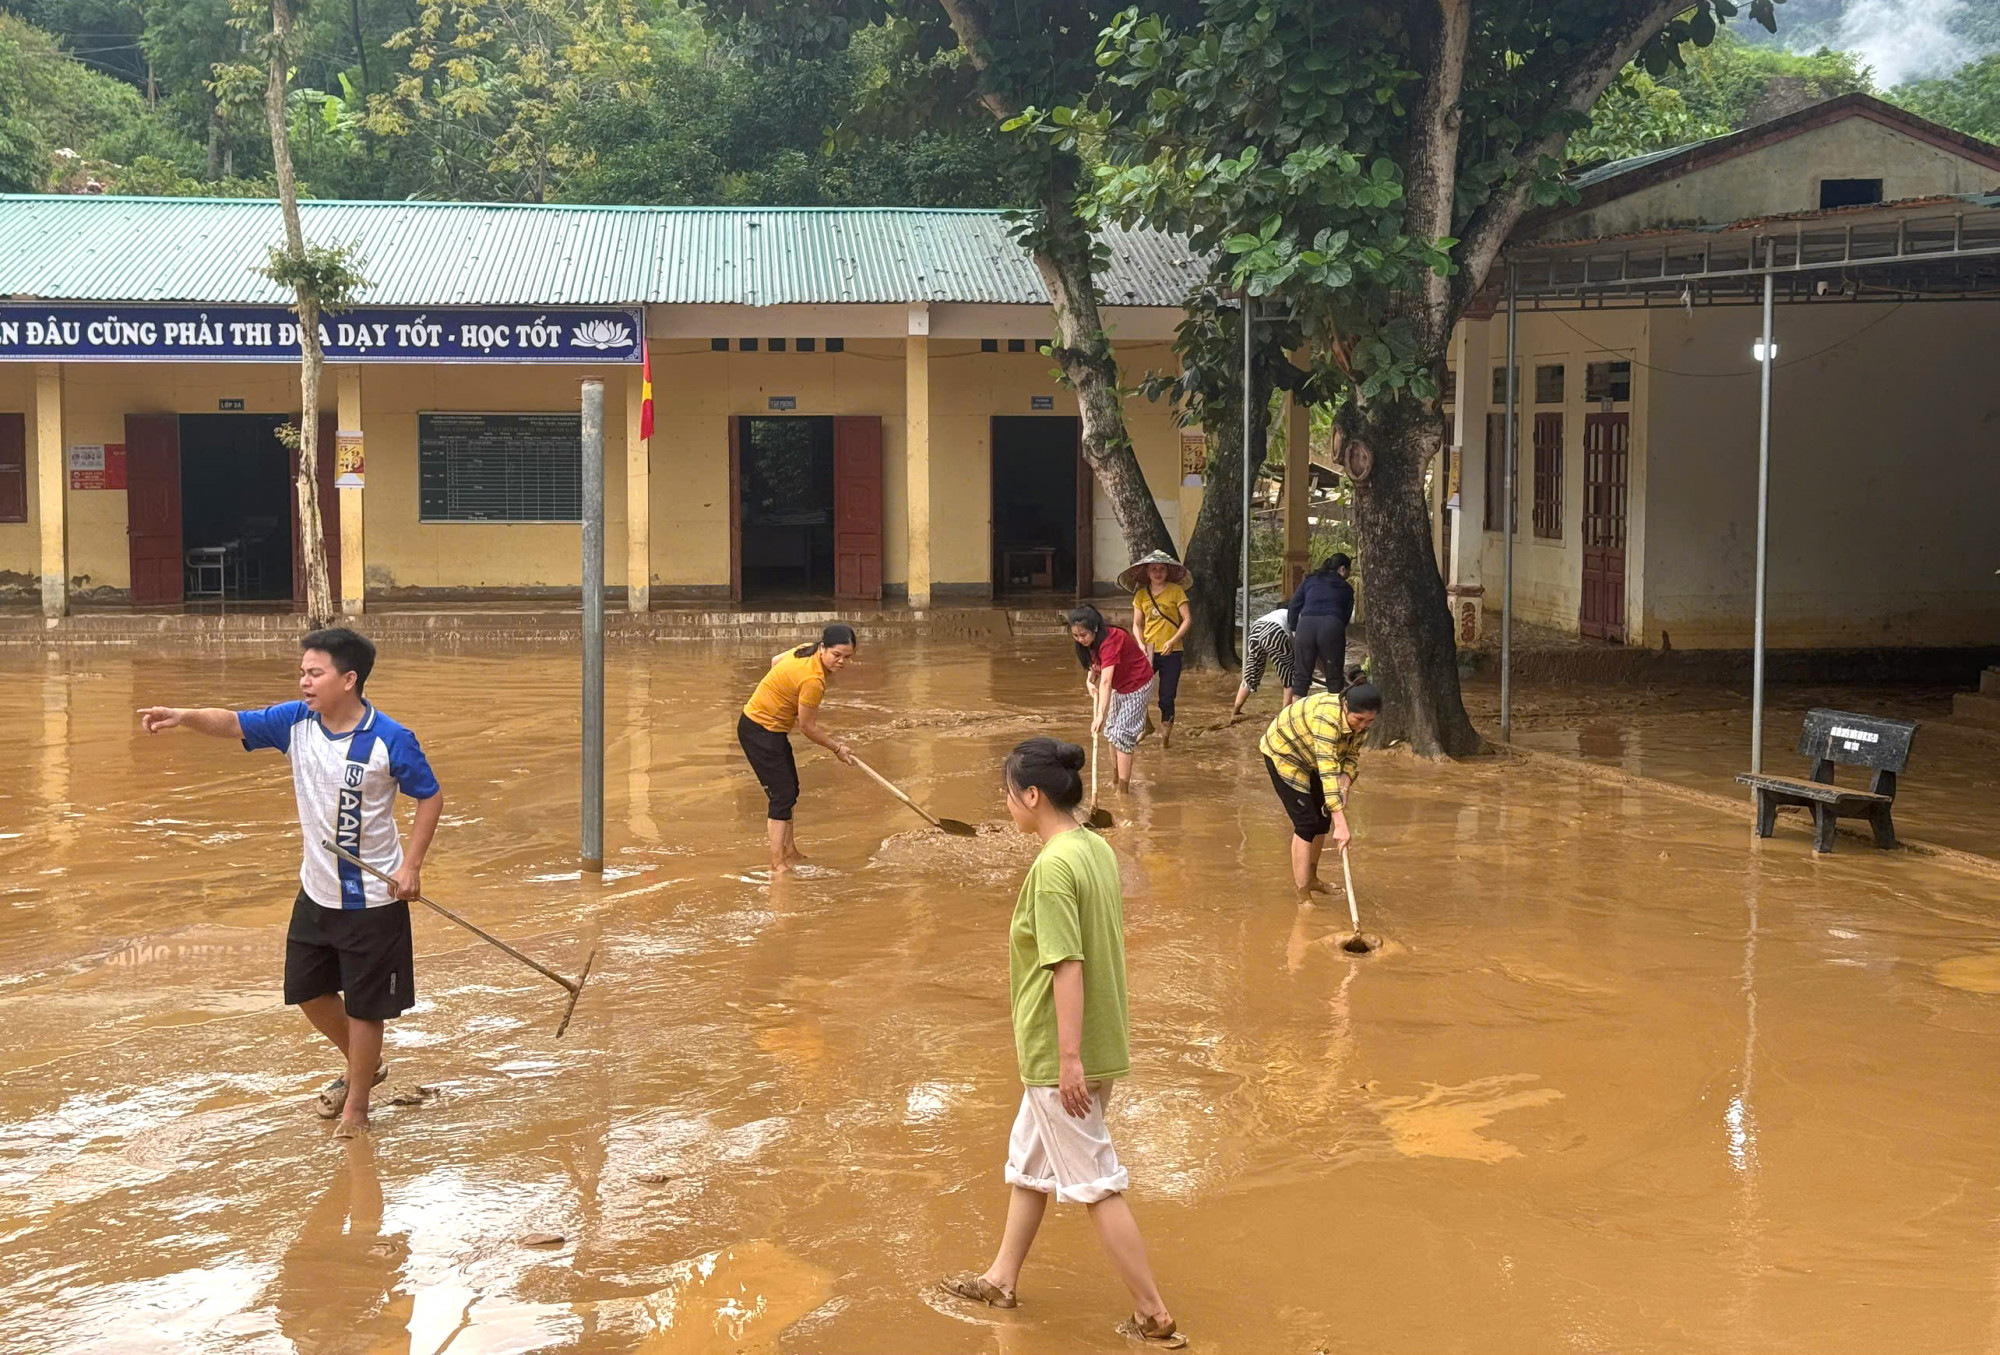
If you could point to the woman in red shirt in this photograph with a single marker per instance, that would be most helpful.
(1120, 684)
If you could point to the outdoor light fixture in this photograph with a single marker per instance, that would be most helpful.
(1757, 351)
(1312, 522)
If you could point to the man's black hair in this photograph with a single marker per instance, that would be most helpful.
(351, 652)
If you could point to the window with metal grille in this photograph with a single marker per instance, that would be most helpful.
(805, 345)
(1607, 381)
(500, 467)
(1549, 476)
(1496, 475)
(1549, 384)
(746, 345)
(836, 345)
(718, 345)
(774, 345)
(1500, 385)
(13, 468)
(1849, 192)
(989, 345)
(1018, 346)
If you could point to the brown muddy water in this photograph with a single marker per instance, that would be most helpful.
(1625, 1079)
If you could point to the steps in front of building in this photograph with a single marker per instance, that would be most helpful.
(1980, 708)
(555, 625)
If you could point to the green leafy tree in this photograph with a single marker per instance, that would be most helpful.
(1733, 84)
(63, 124)
(1638, 115)
(999, 61)
(1967, 100)
(1363, 166)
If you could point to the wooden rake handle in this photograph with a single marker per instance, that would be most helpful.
(886, 784)
(573, 989)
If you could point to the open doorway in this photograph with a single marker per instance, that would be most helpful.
(786, 506)
(1041, 514)
(236, 506)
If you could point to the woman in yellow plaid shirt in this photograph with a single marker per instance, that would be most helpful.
(1313, 751)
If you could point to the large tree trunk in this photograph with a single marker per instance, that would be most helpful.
(312, 360)
(1215, 548)
(1413, 652)
(1083, 351)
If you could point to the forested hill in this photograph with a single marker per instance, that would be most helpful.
(636, 101)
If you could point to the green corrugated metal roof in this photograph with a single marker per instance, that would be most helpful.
(465, 254)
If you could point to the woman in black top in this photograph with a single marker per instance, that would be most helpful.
(1318, 614)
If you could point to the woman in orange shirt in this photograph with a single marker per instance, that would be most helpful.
(786, 699)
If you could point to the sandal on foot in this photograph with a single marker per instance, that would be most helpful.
(333, 1096)
(979, 1289)
(1153, 1332)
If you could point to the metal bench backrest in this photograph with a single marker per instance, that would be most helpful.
(1840, 736)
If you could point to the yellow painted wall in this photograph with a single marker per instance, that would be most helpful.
(404, 552)
(695, 390)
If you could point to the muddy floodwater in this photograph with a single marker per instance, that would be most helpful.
(1624, 1079)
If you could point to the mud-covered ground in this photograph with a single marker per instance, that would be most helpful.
(1625, 1079)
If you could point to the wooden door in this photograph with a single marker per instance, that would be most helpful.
(329, 516)
(153, 508)
(1086, 514)
(857, 508)
(1606, 474)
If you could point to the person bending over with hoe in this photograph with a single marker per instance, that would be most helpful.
(1071, 1039)
(1270, 644)
(788, 698)
(349, 961)
(1119, 678)
(1313, 752)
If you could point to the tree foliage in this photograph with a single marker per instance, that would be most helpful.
(1968, 100)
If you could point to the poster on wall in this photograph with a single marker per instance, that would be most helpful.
(347, 467)
(1194, 457)
(97, 466)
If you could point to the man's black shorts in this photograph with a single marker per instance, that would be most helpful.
(1307, 808)
(364, 954)
(770, 755)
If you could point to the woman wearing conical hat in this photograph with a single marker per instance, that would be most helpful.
(1161, 617)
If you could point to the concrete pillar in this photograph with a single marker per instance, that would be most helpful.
(1465, 588)
(51, 489)
(638, 500)
(1298, 491)
(917, 449)
(353, 539)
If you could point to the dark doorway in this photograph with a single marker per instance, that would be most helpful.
(786, 506)
(236, 506)
(1041, 514)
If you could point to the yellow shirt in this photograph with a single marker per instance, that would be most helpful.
(1160, 613)
(1312, 736)
(792, 682)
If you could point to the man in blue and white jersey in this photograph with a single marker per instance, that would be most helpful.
(349, 963)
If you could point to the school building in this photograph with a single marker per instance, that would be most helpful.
(1638, 312)
(848, 405)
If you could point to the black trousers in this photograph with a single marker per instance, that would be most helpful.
(770, 755)
(1319, 641)
(1305, 808)
(1168, 667)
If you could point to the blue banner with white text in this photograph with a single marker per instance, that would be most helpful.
(106, 332)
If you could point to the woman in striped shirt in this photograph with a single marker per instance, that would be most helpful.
(1313, 752)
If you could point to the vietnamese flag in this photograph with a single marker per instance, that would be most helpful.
(645, 391)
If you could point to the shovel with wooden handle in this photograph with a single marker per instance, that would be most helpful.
(956, 827)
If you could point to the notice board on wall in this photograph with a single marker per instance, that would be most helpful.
(500, 467)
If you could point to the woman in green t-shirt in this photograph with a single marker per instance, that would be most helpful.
(1071, 1038)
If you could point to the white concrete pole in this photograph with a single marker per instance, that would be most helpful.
(1248, 385)
(593, 626)
(1767, 352)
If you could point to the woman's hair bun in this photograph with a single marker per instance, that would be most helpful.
(1050, 766)
(1070, 755)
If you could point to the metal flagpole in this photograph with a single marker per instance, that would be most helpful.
(1248, 385)
(1767, 353)
(1507, 547)
(593, 626)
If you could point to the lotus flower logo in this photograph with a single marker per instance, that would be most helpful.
(601, 334)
